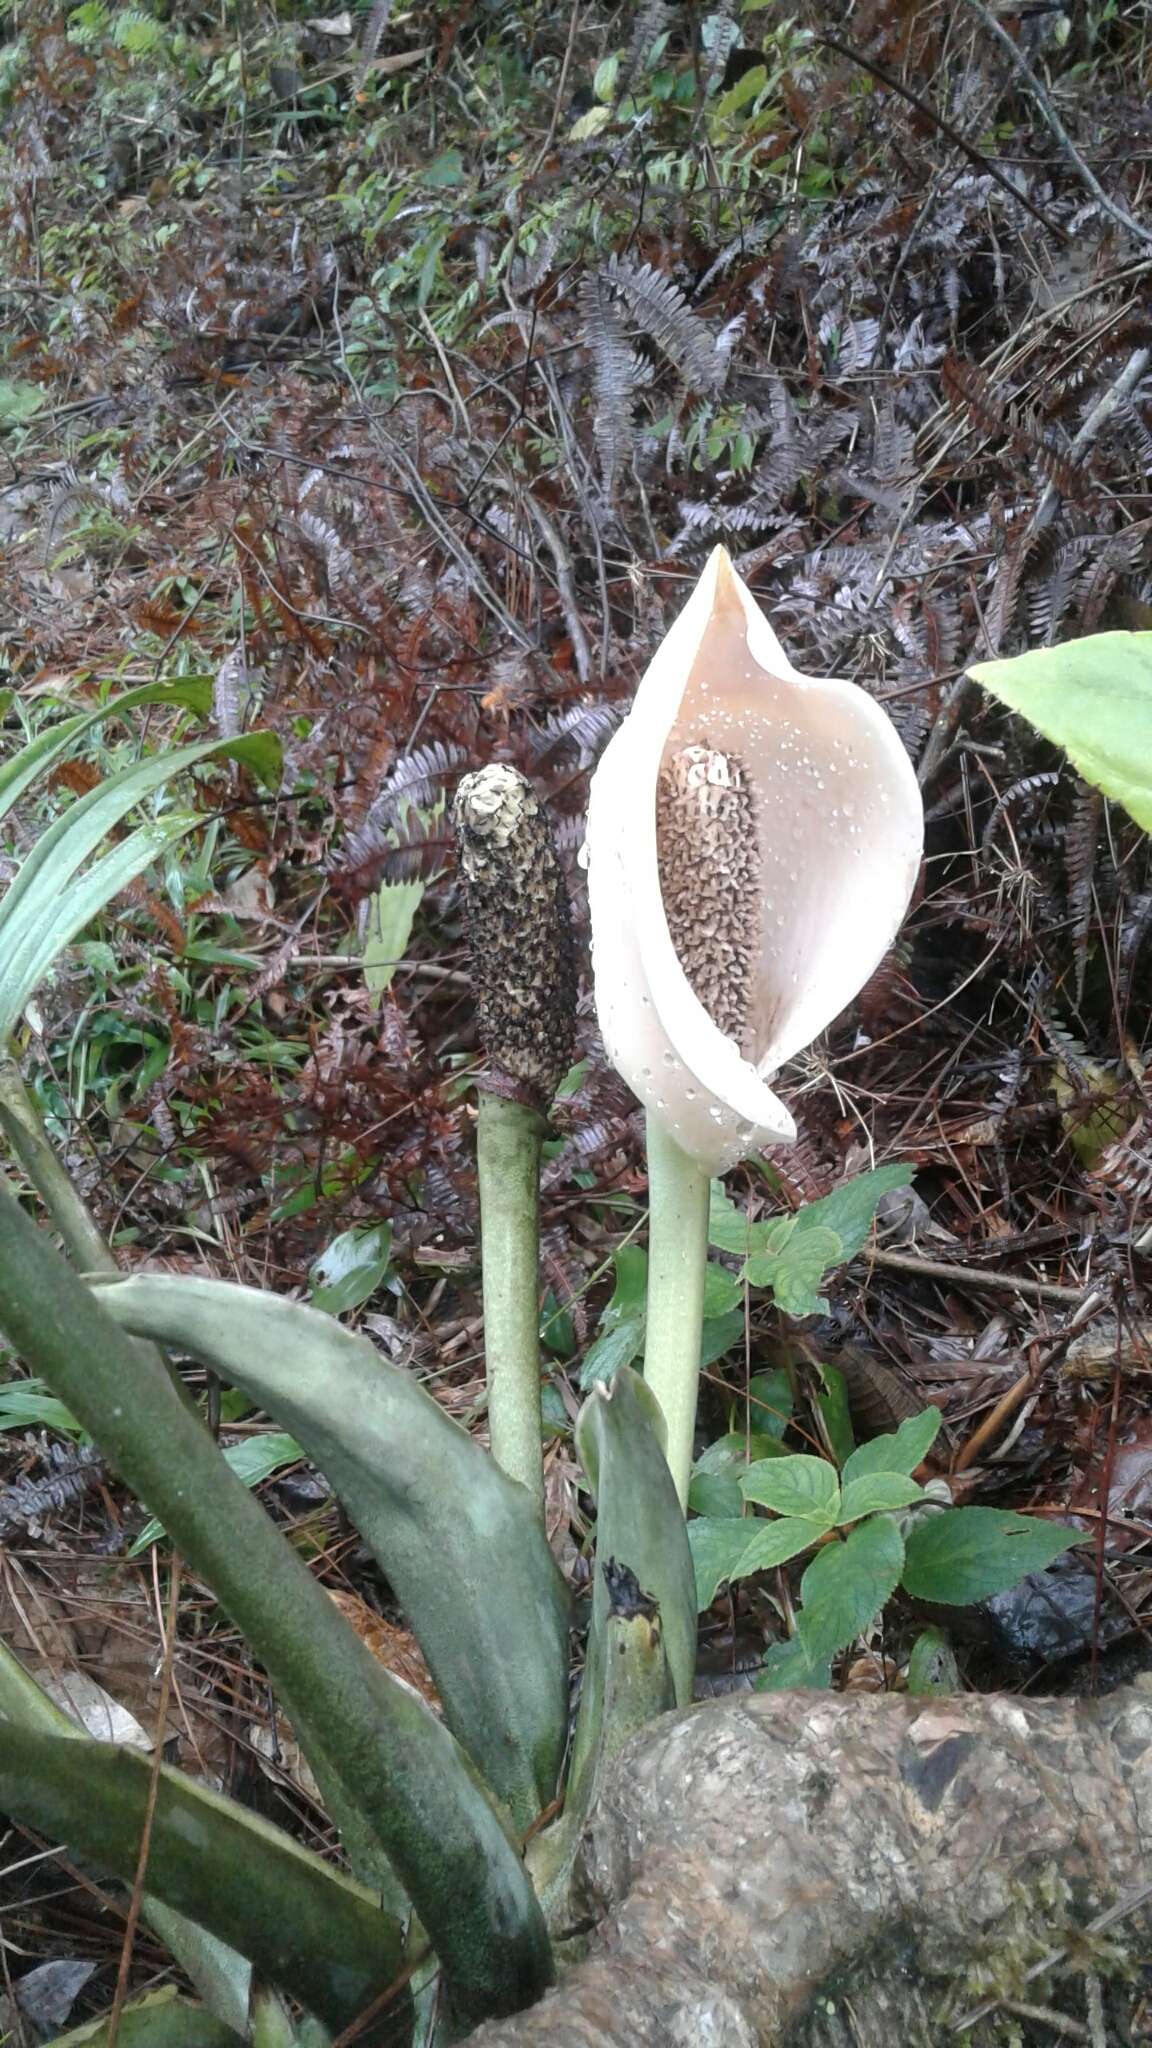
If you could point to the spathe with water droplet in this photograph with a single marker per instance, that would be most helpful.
(754, 837)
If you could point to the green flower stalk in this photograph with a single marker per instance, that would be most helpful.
(754, 837)
(524, 976)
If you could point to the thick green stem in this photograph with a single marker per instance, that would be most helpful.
(20, 1122)
(677, 1260)
(508, 1144)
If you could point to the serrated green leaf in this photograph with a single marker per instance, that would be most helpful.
(846, 1585)
(351, 1268)
(967, 1554)
(795, 1273)
(806, 1487)
(875, 1493)
(719, 1335)
(834, 1411)
(906, 1448)
(715, 1485)
(850, 1208)
(787, 1667)
(730, 1230)
(726, 1549)
(1093, 697)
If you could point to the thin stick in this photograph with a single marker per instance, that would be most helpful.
(508, 1140)
(677, 1259)
(971, 1276)
(136, 1901)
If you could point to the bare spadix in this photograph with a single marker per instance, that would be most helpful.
(754, 837)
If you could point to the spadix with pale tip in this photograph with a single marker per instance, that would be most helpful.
(754, 837)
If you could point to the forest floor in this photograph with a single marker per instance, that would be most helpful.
(400, 384)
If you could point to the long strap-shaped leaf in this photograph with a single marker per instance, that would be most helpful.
(374, 1743)
(51, 745)
(161, 2019)
(639, 1525)
(460, 1542)
(221, 1976)
(307, 1928)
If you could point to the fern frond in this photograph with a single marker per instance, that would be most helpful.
(613, 378)
(373, 35)
(660, 310)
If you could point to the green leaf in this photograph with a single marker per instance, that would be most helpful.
(967, 1554)
(19, 402)
(460, 1543)
(795, 1273)
(1093, 697)
(719, 1335)
(807, 1487)
(745, 90)
(390, 920)
(51, 745)
(901, 1452)
(604, 80)
(399, 1786)
(722, 1290)
(160, 2019)
(630, 1295)
(835, 1414)
(616, 1347)
(730, 1230)
(846, 1585)
(724, 1550)
(932, 1666)
(770, 1401)
(639, 1526)
(787, 1667)
(253, 1461)
(351, 1268)
(850, 1208)
(27, 1403)
(445, 170)
(305, 1926)
(715, 1486)
(875, 1493)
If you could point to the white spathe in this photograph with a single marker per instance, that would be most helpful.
(840, 826)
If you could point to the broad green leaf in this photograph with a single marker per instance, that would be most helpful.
(253, 1461)
(967, 1554)
(351, 1268)
(846, 1585)
(390, 920)
(614, 1348)
(875, 1493)
(715, 1487)
(629, 1296)
(460, 1543)
(445, 170)
(722, 1290)
(399, 1786)
(639, 1526)
(795, 1273)
(906, 1448)
(787, 1667)
(160, 2019)
(850, 1208)
(719, 1335)
(304, 1925)
(802, 1486)
(932, 1666)
(770, 1401)
(1093, 697)
(742, 93)
(726, 1549)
